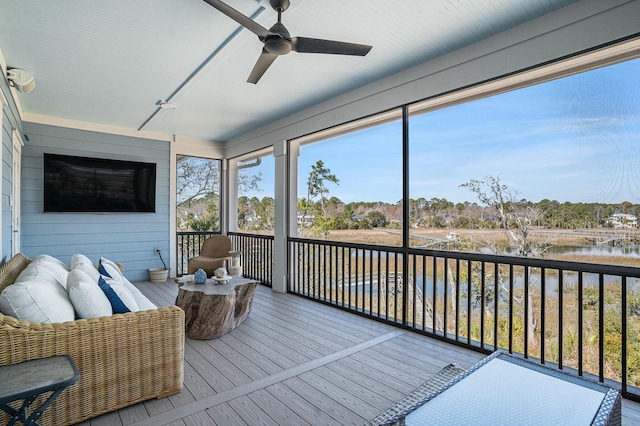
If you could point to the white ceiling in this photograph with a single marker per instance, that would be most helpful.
(112, 61)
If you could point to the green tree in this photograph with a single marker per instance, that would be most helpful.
(265, 214)
(316, 184)
(376, 219)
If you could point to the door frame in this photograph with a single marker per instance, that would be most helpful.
(15, 199)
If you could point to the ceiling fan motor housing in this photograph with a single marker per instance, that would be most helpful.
(278, 43)
(279, 5)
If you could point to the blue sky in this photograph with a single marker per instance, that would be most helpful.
(575, 139)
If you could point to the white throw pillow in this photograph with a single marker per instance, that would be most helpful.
(121, 299)
(79, 258)
(143, 303)
(88, 299)
(88, 269)
(109, 268)
(50, 259)
(39, 271)
(57, 267)
(37, 296)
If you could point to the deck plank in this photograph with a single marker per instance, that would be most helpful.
(309, 412)
(201, 418)
(297, 362)
(250, 412)
(258, 358)
(224, 415)
(276, 409)
(340, 414)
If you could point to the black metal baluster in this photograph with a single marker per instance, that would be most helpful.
(624, 334)
(446, 297)
(543, 312)
(496, 305)
(580, 319)
(601, 336)
(526, 312)
(483, 302)
(456, 308)
(560, 316)
(511, 308)
(434, 296)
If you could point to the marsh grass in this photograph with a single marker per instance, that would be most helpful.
(562, 339)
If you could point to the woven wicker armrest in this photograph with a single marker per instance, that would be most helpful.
(123, 359)
(209, 264)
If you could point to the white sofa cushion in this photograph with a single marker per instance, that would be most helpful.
(109, 268)
(37, 296)
(88, 299)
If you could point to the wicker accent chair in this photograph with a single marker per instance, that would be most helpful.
(215, 250)
(123, 359)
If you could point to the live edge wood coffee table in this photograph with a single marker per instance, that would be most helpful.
(213, 309)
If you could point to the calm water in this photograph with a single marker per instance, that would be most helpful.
(551, 283)
(631, 250)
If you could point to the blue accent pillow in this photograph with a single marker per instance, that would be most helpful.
(102, 270)
(116, 303)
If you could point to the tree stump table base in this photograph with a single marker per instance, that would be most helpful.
(211, 309)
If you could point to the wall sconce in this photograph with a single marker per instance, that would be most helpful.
(22, 80)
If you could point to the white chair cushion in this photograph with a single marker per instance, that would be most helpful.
(88, 299)
(37, 296)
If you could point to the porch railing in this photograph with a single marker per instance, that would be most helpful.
(257, 252)
(257, 255)
(578, 317)
(188, 246)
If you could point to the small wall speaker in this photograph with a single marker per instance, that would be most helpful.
(22, 80)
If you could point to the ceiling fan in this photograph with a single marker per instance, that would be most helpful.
(277, 40)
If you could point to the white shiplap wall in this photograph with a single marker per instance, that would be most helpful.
(129, 238)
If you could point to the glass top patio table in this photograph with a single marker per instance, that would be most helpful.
(503, 389)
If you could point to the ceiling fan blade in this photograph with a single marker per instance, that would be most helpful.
(264, 62)
(241, 19)
(315, 45)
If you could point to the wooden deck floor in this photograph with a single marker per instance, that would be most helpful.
(296, 362)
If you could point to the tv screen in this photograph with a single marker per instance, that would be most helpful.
(81, 184)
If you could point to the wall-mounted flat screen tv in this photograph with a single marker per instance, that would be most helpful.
(82, 184)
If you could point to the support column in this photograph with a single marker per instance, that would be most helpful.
(232, 196)
(282, 216)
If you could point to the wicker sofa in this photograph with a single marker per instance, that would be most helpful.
(123, 359)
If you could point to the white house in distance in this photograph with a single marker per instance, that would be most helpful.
(623, 220)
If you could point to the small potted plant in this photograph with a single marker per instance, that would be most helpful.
(159, 275)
